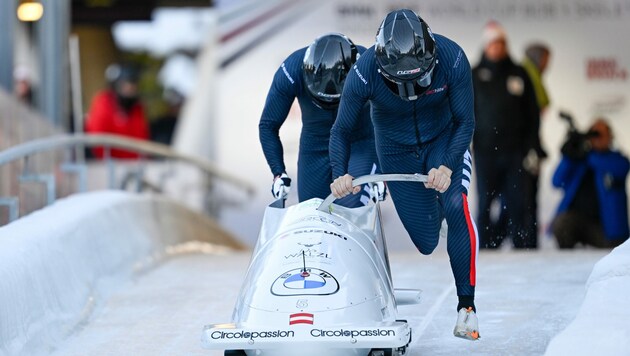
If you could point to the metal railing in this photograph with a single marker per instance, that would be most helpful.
(73, 163)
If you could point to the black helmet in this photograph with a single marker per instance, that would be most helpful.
(405, 52)
(326, 64)
(118, 72)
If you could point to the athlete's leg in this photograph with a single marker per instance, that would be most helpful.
(462, 241)
(416, 205)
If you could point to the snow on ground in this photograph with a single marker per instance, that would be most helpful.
(601, 326)
(524, 298)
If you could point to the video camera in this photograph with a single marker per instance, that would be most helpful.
(577, 144)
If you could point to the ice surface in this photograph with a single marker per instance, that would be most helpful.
(523, 299)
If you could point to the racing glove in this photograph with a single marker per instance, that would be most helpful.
(281, 186)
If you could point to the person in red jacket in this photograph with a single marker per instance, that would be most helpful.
(118, 110)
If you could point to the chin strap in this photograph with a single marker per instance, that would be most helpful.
(407, 91)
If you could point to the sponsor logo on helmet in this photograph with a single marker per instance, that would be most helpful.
(409, 71)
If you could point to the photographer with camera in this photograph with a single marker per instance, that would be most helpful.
(594, 209)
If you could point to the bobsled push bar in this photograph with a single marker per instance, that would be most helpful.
(373, 178)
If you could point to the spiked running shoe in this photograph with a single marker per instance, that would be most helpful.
(467, 326)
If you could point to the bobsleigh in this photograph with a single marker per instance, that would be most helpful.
(318, 283)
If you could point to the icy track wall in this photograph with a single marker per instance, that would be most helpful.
(601, 326)
(58, 264)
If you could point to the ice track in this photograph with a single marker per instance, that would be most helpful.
(523, 299)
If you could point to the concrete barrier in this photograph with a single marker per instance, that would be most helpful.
(59, 263)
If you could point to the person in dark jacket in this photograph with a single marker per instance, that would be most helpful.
(315, 75)
(594, 209)
(507, 124)
(420, 88)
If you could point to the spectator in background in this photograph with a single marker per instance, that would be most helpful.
(536, 60)
(22, 84)
(594, 209)
(535, 63)
(118, 110)
(507, 120)
(162, 128)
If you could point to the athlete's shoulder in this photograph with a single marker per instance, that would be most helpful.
(445, 42)
(367, 56)
(361, 49)
(365, 66)
(291, 67)
(450, 53)
(297, 57)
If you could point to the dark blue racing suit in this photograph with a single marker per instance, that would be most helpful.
(314, 170)
(413, 137)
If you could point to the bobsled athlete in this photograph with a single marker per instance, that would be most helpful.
(420, 87)
(315, 75)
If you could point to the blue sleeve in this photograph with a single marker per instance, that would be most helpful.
(612, 163)
(462, 107)
(279, 100)
(354, 96)
(566, 169)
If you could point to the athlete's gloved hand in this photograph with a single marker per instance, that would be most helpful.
(439, 179)
(342, 186)
(377, 191)
(281, 186)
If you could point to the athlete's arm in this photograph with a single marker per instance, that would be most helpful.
(462, 108)
(353, 99)
(279, 100)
